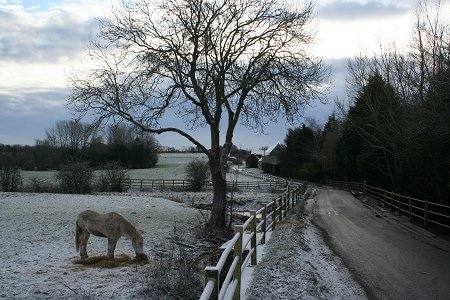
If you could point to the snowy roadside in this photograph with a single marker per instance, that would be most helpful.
(297, 264)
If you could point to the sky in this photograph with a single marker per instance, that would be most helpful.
(42, 41)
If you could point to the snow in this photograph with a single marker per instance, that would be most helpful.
(37, 244)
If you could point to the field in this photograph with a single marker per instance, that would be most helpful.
(38, 250)
(37, 231)
(170, 166)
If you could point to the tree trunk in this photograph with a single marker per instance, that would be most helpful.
(219, 204)
(218, 165)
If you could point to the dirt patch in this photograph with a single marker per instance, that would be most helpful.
(106, 263)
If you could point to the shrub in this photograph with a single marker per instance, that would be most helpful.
(197, 174)
(39, 185)
(113, 177)
(75, 178)
(175, 275)
(10, 178)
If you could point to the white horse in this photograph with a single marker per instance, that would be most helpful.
(111, 226)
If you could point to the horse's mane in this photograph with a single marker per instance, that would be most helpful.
(129, 229)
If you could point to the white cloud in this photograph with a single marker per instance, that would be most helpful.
(341, 35)
(351, 10)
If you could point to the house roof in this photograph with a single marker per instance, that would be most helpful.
(271, 151)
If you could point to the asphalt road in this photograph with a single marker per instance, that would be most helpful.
(389, 257)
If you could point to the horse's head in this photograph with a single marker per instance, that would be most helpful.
(138, 244)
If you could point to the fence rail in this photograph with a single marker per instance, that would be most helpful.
(262, 176)
(164, 184)
(222, 283)
(424, 211)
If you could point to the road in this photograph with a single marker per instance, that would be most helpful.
(390, 257)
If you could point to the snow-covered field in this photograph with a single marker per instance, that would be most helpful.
(37, 246)
(170, 166)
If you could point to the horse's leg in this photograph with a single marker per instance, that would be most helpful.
(84, 239)
(111, 247)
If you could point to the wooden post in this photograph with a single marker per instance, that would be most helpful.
(364, 187)
(425, 214)
(409, 208)
(274, 214)
(398, 207)
(283, 205)
(392, 202)
(280, 205)
(238, 252)
(212, 273)
(264, 224)
(254, 238)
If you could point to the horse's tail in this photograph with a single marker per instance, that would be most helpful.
(77, 237)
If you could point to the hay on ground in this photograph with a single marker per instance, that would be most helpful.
(103, 261)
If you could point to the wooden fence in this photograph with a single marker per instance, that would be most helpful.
(225, 283)
(262, 176)
(164, 184)
(423, 211)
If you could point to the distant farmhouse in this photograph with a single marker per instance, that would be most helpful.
(270, 159)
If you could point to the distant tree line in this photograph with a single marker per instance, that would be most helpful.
(73, 141)
(396, 132)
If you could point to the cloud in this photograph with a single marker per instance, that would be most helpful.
(24, 115)
(352, 10)
(33, 102)
(51, 40)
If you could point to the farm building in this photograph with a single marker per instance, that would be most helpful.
(270, 160)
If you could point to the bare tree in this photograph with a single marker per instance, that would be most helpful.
(120, 134)
(215, 62)
(430, 45)
(69, 134)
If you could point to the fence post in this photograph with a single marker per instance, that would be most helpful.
(264, 224)
(280, 205)
(364, 187)
(283, 205)
(392, 202)
(213, 273)
(238, 252)
(274, 214)
(409, 208)
(425, 214)
(398, 204)
(254, 238)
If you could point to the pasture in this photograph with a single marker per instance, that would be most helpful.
(37, 250)
(170, 166)
(37, 234)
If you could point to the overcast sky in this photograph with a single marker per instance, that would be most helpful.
(40, 41)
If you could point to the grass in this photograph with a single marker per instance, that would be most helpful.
(170, 166)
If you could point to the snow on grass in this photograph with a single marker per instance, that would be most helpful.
(298, 265)
(37, 243)
(170, 166)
